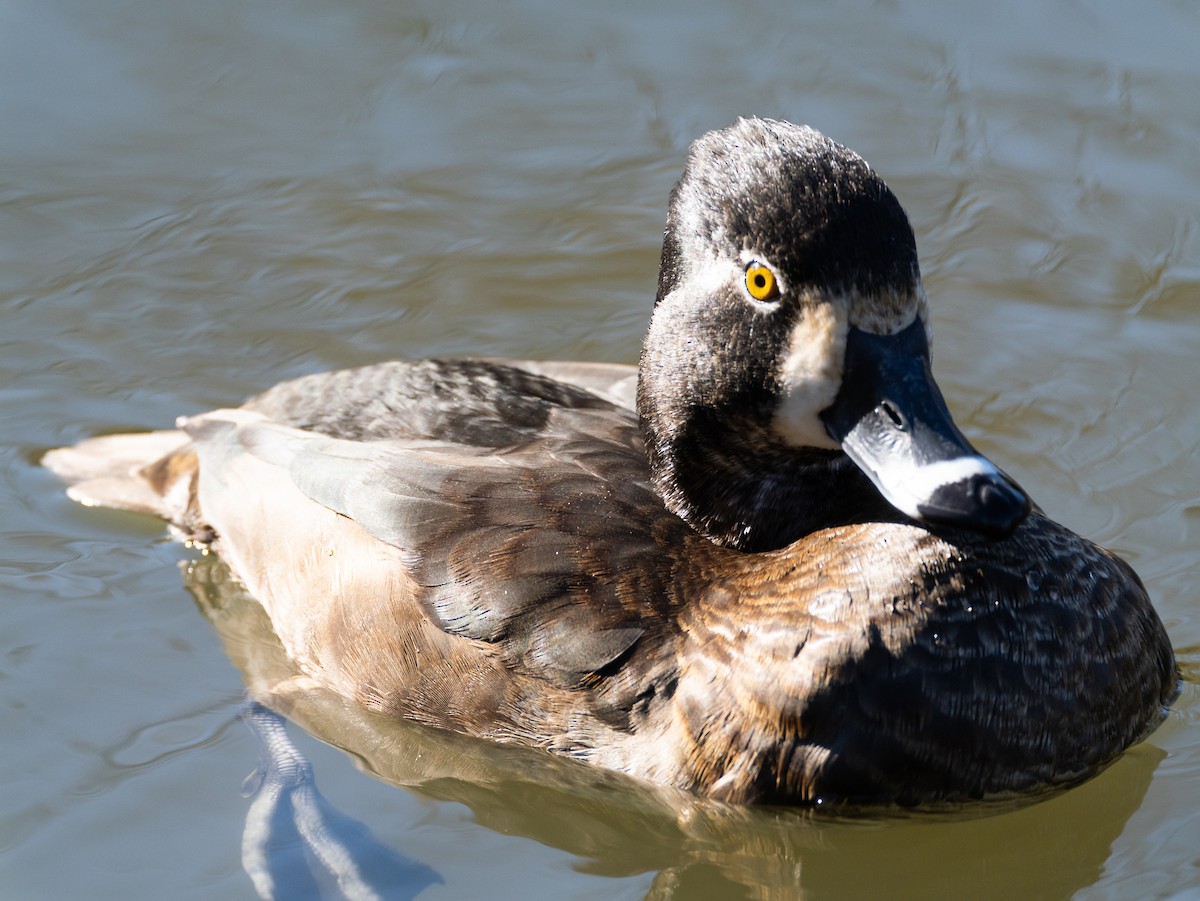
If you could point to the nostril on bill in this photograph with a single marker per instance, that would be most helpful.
(894, 415)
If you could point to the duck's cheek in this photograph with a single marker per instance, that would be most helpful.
(810, 374)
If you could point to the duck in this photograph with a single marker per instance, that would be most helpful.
(763, 566)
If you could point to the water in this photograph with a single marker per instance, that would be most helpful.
(198, 200)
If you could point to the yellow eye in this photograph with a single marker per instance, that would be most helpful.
(760, 282)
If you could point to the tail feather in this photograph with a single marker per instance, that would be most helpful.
(151, 473)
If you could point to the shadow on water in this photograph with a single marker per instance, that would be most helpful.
(617, 827)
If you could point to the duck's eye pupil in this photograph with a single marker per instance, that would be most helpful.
(760, 282)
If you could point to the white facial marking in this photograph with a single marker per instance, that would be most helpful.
(810, 375)
(708, 276)
(911, 484)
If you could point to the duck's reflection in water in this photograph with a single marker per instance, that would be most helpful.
(297, 846)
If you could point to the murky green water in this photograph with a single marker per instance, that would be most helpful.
(200, 199)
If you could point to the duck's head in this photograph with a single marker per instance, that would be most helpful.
(791, 331)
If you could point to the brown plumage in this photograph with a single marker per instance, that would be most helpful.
(684, 593)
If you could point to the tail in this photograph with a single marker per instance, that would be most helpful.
(151, 473)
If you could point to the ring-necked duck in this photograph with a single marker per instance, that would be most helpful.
(782, 576)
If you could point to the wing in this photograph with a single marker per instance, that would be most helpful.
(521, 505)
(472, 403)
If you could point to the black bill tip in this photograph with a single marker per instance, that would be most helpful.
(983, 502)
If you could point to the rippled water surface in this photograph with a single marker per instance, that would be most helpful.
(200, 199)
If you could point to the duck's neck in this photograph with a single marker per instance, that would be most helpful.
(742, 488)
